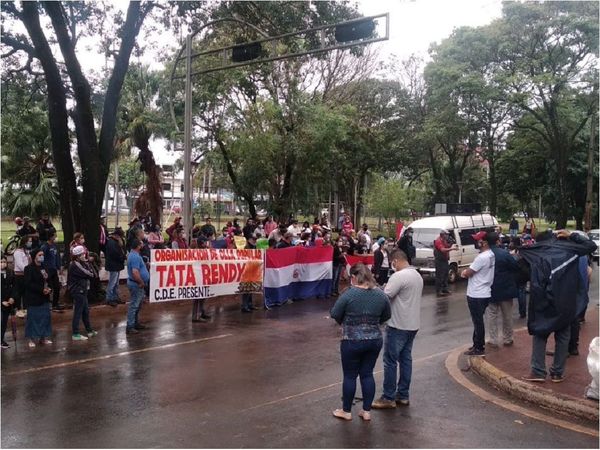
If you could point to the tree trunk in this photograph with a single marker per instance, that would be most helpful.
(491, 159)
(590, 177)
(58, 121)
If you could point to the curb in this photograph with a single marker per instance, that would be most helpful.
(561, 403)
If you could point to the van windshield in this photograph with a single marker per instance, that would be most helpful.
(424, 237)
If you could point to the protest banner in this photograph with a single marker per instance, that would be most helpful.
(191, 274)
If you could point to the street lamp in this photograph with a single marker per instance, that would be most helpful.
(328, 37)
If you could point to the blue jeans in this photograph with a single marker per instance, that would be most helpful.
(136, 296)
(111, 290)
(358, 359)
(397, 350)
(513, 232)
(81, 311)
(337, 272)
(477, 308)
(561, 350)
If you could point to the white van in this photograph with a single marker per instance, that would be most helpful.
(460, 228)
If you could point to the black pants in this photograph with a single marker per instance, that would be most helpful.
(5, 316)
(54, 284)
(19, 291)
(246, 301)
(441, 275)
(81, 311)
(477, 308)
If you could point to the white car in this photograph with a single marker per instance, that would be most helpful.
(595, 236)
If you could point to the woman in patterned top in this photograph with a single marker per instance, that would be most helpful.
(360, 310)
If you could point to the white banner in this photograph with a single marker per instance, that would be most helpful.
(190, 274)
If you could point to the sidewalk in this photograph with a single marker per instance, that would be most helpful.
(503, 368)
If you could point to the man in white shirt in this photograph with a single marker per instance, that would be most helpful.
(295, 229)
(479, 290)
(404, 289)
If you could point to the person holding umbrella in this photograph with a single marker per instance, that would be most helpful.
(7, 284)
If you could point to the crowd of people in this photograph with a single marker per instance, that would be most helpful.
(388, 292)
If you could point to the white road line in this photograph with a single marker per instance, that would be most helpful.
(116, 355)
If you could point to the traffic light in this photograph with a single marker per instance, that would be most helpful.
(246, 52)
(355, 30)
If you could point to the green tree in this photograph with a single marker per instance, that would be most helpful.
(548, 56)
(70, 21)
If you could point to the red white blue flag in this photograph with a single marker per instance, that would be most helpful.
(297, 273)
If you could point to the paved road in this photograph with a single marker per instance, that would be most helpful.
(267, 379)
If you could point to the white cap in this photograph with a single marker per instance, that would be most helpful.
(78, 250)
(443, 231)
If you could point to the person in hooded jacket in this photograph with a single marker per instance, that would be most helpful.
(80, 274)
(554, 277)
(504, 290)
(406, 245)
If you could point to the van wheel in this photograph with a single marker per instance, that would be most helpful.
(452, 274)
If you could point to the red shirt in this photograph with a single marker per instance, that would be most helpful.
(440, 244)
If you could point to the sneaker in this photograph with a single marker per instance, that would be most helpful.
(534, 377)
(446, 291)
(205, 316)
(46, 341)
(131, 331)
(254, 308)
(383, 403)
(556, 378)
(139, 326)
(574, 352)
(92, 333)
(365, 415)
(402, 402)
(120, 302)
(508, 343)
(246, 310)
(112, 304)
(79, 337)
(341, 414)
(31, 344)
(4, 345)
(58, 308)
(492, 344)
(474, 352)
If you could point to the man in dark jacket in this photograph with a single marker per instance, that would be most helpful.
(114, 264)
(406, 245)
(504, 289)
(45, 228)
(554, 277)
(53, 265)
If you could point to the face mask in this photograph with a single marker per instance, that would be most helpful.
(40, 259)
(28, 245)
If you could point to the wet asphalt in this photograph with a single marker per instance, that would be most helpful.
(261, 380)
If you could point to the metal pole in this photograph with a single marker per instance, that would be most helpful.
(187, 152)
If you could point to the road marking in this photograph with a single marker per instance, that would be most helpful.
(455, 372)
(301, 394)
(116, 355)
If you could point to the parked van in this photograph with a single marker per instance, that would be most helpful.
(460, 229)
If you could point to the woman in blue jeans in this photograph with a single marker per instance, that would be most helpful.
(360, 310)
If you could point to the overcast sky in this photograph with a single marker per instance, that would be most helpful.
(414, 25)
